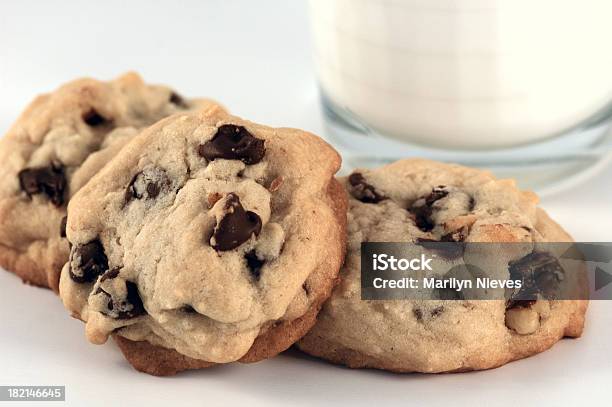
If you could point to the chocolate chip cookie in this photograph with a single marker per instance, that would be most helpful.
(423, 201)
(208, 239)
(60, 141)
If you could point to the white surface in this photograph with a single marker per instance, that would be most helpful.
(255, 58)
(465, 74)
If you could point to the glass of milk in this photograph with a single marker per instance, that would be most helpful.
(510, 85)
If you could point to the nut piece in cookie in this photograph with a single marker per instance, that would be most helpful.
(424, 202)
(60, 142)
(221, 241)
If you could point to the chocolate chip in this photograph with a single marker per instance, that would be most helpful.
(236, 227)
(436, 194)
(423, 209)
(254, 264)
(436, 312)
(152, 190)
(452, 248)
(188, 309)
(520, 304)
(363, 191)
(233, 142)
(146, 184)
(130, 192)
(63, 223)
(540, 273)
(455, 236)
(548, 278)
(110, 274)
(422, 218)
(92, 262)
(133, 297)
(422, 241)
(95, 119)
(178, 100)
(123, 308)
(50, 181)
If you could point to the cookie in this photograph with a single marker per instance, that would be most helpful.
(58, 143)
(208, 239)
(419, 200)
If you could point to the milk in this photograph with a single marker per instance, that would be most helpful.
(465, 74)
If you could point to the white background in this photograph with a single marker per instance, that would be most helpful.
(254, 57)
